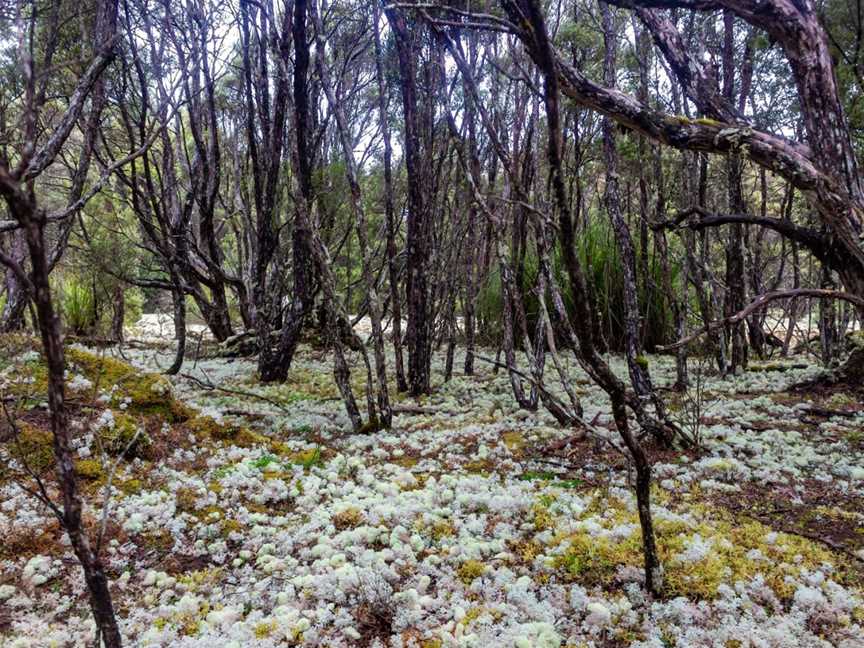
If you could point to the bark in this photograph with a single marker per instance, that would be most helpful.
(531, 15)
(119, 313)
(178, 306)
(351, 172)
(735, 296)
(417, 253)
(389, 210)
(639, 375)
(827, 167)
(17, 189)
(17, 298)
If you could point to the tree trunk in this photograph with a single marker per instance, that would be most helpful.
(417, 253)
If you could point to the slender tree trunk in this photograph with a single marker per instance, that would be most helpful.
(417, 253)
(389, 210)
(33, 221)
(531, 13)
(383, 394)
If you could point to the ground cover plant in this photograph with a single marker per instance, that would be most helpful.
(241, 521)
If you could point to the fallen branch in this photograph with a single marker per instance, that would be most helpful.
(209, 386)
(826, 412)
(417, 410)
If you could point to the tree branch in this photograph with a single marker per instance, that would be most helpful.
(761, 302)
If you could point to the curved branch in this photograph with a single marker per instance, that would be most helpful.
(761, 302)
(810, 238)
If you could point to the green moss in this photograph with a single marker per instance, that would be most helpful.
(123, 436)
(33, 447)
(470, 570)
(89, 469)
(306, 458)
(144, 393)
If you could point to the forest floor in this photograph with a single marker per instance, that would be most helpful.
(247, 515)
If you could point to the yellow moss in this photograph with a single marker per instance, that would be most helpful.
(195, 579)
(13, 344)
(230, 526)
(161, 541)
(542, 517)
(185, 498)
(350, 518)
(264, 629)
(514, 440)
(479, 466)
(474, 613)
(527, 550)
(594, 559)
(470, 570)
(207, 427)
(130, 486)
(89, 469)
(123, 436)
(33, 447)
(431, 643)
(442, 529)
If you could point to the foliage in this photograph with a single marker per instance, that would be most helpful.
(604, 273)
(78, 306)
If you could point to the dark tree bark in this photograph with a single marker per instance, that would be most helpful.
(18, 191)
(389, 210)
(417, 253)
(528, 13)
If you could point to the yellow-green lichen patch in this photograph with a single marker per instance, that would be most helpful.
(32, 447)
(470, 570)
(140, 392)
(697, 556)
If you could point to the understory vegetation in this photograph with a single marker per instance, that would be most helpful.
(245, 515)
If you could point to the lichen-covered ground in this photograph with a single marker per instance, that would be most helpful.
(246, 521)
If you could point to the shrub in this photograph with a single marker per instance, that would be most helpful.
(77, 306)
